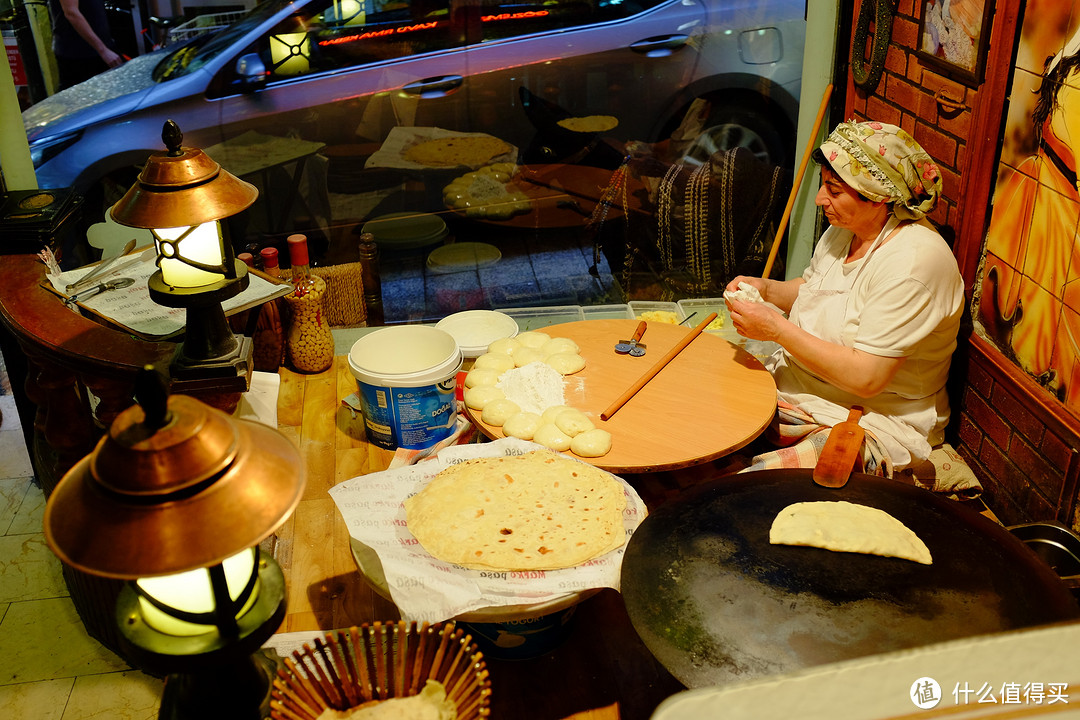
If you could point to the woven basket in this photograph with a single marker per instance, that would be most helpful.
(343, 302)
(381, 661)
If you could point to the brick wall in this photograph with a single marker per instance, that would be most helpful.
(1017, 438)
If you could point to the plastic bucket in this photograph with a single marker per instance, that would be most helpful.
(405, 377)
(522, 639)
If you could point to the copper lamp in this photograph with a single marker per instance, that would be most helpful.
(180, 196)
(175, 500)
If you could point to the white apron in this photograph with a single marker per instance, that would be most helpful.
(900, 424)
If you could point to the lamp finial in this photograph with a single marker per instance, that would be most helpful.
(172, 137)
(152, 394)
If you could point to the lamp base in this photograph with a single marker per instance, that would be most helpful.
(240, 691)
(192, 374)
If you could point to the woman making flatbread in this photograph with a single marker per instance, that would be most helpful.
(873, 320)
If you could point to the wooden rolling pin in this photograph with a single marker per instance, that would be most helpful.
(644, 379)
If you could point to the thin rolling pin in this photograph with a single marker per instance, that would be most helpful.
(614, 407)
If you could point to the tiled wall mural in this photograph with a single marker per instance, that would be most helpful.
(1028, 301)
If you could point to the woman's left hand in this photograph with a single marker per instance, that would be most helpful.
(755, 320)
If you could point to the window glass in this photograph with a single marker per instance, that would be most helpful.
(506, 18)
(346, 33)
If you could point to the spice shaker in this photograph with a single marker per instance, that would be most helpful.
(310, 344)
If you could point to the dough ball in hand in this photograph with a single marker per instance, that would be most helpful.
(591, 443)
(573, 421)
(521, 425)
(478, 397)
(550, 436)
(525, 355)
(565, 363)
(504, 346)
(498, 412)
(559, 345)
(532, 339)
(495, 361)
(481, 376)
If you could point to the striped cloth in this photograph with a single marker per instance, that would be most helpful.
(800, 440)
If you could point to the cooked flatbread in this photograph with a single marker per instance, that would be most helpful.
(469, 150)
(589, 123)
(846, 527)
(430, 704)
(537, 511)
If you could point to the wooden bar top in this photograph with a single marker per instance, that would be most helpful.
(601, 663)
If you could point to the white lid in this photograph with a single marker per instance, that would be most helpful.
(474, 330)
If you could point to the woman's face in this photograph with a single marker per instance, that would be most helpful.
(842, 205)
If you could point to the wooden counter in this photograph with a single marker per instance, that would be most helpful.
(602, 662)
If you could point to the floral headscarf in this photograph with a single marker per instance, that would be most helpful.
(883, 162)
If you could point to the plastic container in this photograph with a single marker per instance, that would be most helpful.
(524, 638)
(704, 306)
(474, 330)
(642, 306)
(619, 311)
(406, 376)
(541, 317)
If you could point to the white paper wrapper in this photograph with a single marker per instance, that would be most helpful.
(426, 589)
(392, 152)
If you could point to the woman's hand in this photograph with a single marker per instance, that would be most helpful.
(755, 320)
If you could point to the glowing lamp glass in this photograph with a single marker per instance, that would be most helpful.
(191, 592)
(203, 245)
(290, 53)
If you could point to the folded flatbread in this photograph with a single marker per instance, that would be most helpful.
(846, 527)
(537, 511)
(467, 150)
(430, 704)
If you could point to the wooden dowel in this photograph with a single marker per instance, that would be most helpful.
(798, 180)
(622, 399)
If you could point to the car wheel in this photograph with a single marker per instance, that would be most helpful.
(730, 127)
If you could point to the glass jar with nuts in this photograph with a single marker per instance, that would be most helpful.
(310, 344)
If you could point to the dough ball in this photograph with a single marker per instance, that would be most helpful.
(478, 397)
(565, 363)
(550, 436)
(494, 361)
(573, 421)
(532, 339)
(591, 443)
(559, 345)
(552, 412)
(522, 425)
(504, 346)
(499, 411)
(478, 377)
(525, 355)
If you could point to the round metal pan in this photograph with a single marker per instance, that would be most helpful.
(715, 602)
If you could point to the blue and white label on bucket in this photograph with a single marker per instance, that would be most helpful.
(411, 417)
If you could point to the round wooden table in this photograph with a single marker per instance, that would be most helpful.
(711, 399)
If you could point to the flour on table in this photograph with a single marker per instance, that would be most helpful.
(534, 387)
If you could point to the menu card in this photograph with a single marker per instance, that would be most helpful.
(427, 589)
(130, 308)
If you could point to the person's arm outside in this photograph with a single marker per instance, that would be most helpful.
(82, 27)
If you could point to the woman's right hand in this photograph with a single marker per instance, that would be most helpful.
(756, 282)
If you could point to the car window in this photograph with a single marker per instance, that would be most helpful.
(507, 18)
(324, 36)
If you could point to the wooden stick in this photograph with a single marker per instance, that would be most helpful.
(798, 180)
(622, 399)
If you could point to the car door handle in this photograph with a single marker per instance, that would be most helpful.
(432, 86)
(660, 46)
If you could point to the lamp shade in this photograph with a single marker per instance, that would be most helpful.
(170, 488)
(181, 187)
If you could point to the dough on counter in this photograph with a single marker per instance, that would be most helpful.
(525, 355)
(842, 526)
(481, 376)
(498, 412)
(532, 339)
(552, 412)
(495, 361)
(550, 436)
(521, 425)
(559, 345)
(591, 443)
(565, 363)
(478, 397)
(573, 422)
(505, 346)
